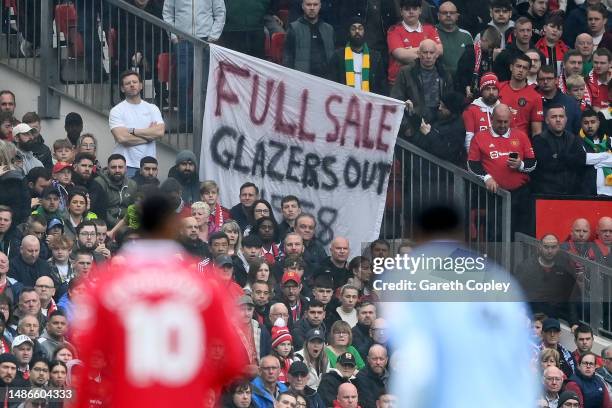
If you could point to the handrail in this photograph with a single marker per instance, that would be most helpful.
(155, 21)
(447, 165)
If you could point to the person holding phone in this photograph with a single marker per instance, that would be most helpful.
(503, 158)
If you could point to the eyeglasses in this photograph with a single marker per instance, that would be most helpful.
(262, 211)
(588, 364)
(340, 334)
(554, 379)
(88, 145)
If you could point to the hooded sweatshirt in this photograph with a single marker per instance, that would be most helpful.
(477, 117)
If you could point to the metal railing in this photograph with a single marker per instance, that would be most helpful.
(79, 52)
(419, 178)
(595, 294)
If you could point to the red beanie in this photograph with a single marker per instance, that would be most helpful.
(279, 335)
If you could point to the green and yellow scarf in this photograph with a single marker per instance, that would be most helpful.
(349, 67)
(602, 147)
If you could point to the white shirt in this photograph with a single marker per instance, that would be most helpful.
(138, 116)
(358, 68)
(350, 318)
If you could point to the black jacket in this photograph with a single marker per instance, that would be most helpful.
(300, 329)
(465, 69)
(446, 140)
(359, 9)
(361, 338)
(198, 248)
(561, 160)
(408, 85)
(140, 180)
(339, 276)
(378, 78)
(328, 387)
(190, 184)
(14, 193)
(501, 65)
(238, 214)
(370, 386)
(28, 274)
(98, 198)
(42, 152)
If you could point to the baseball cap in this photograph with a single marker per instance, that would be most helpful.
(489, 79)
(21, 128)
(551, 324)
(49, 190)
(291, 276)
(59, 166)
(245, 300)
(298, 367)
(346, 359)
(223, 260)
(315, 334)
(22, 338)
(55, 222)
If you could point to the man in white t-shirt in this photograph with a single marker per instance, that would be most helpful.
(135, 124)
(348, 296)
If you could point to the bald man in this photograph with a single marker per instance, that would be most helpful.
(454, 39)
(190, 239)
(553, 380)
(266, 385)
(580, 242)
(372, 381)
(604, 238)
(347, 396)
(585, 46)
(27, 267)
(336, 265)
(45, 287)
(422, 84)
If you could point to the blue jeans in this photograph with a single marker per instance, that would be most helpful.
(184, 63)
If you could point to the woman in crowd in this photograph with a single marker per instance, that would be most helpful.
(201, 212)
(361, 267)
(65, 353)
(340, 339)
(6, 312)
(549, 357)
(232, 230)
(267, 229)
(260, 208)
(87, 143)
(58, 371)
(313, 356)
(77, 211)
(13, 190)
(589, 387)
(238, 395)
(259, 270)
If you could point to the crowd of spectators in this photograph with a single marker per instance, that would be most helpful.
(516, 92)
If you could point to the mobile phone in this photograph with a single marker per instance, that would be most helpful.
(513, 155)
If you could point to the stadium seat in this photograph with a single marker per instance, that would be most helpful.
(277, 44)
(163, 67)
(283, 14)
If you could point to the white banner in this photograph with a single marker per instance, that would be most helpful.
(293, 133)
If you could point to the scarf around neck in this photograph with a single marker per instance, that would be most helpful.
(349, 67)
(603, 146)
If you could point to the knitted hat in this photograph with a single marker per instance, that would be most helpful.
(280, 333)
(8, 358)
(489, 79)
(185, 155)
(565, 396)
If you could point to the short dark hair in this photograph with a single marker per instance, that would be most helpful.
(582, 328)
(502, 4)
(126, 74)
(251, 241)
(555, 106)
(249, 184)
(571, 53)
(30, 117)
(523, 57)
(38, 172)
(73, 119)
(86, 223)
(315, 303)
(57, 312)
(84, 156)
(598, 8)
(589, 113)
(6, 91)
(155, 211)
(116, 156)
(218, 235)
(410, 3)
(147, 159)
(323, 281)
(78, 191)
(555, 20)
(380, 241)
(39, 359)
(7, 117)
(289, 198)
(548, 69)
(603, 52)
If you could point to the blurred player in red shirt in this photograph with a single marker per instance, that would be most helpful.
(166, 334)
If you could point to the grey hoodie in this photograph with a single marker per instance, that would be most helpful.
(200, 18)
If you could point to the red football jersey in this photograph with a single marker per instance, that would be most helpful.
(493, 151)
(399, 37)
(476, 118)
(525, 104)
(167, 335)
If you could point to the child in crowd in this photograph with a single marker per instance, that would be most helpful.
(282, 348)
(209, 193)
(49, 206)
(62, 181)
(575, 88)
(551, 45)
(63, 151)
